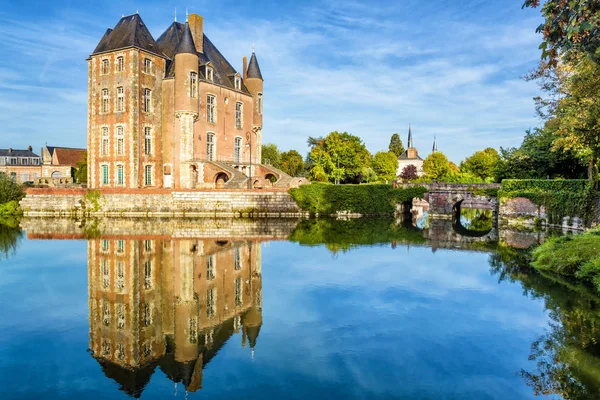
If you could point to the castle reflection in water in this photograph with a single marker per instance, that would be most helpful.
(171, 304)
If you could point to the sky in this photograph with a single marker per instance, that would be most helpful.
(451, 69)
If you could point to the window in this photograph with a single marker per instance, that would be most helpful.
(209, 74)
(105, 245)
(120, 64)
(120, 99)
(238, 114)
(193, 330)
(259, 103)
(105, 347)
(120, 316)
(237, 150)
(238, 291)
(210, 146)
(148, 175)
(211, 306)
(147, 349)
(237, 262)
(211, 102)
(148, 246)
(105, 67)
(120, 181)
(105, 174)
(104, 146)
(238, 83)
(148, 274)
(147, 314)
(105, 100)
(106, 313)
(105, 274)
(193, 84)
(121, 351)
(147, 100)
(13, 161)
(210, 268)
(120, 275)
(147, 66)
(120, 141)
(147, 140)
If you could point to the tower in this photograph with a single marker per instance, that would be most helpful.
(254, 82)
(434, 149)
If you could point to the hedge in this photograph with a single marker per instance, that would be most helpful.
(561, 197)
(551, 185)
(328, 199)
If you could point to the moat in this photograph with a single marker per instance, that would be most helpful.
(286, 309)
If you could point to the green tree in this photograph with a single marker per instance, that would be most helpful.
(481, 163)
(271, 155)
(339, 155)
(385, 165)
(292, 163)
(436, 165)
(396, 145)
(569, 26)
(9, 190)
(80, 172)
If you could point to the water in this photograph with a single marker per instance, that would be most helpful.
(357, 309)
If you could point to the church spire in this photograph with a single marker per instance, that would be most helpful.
(434, 145)
(410, 141)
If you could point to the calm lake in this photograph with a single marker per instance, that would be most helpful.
(321, 309)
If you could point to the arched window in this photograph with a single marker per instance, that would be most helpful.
(210, 147)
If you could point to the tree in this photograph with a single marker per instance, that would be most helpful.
(292, 163)
(436, 165)
(481, 163)
(409, 173)
(385, 165)
(80, 171)
(339, 156)
(271, 155)
(9, 190)
(396, 146)
(569, 26)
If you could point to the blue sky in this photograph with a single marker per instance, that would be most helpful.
(450, 68)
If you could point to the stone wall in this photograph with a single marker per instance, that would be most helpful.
(520, 211)
(160, 203)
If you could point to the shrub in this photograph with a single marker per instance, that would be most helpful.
(556, 185)
(9, 191)
(10, 209)
(364, 199)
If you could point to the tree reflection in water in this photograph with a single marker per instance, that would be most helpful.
(10, 234)
(475, 219)
(567, 356)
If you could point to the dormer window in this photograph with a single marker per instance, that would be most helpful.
(238, 83)
(209, 74)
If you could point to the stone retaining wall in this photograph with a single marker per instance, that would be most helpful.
(520, 211)
(160, 203)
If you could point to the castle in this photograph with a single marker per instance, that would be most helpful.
(173, 112)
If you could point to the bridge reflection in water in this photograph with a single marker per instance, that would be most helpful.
(171, 304)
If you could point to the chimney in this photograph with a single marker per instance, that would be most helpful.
(196, 26)
(245, 67)
(29, 148)
(9, 150)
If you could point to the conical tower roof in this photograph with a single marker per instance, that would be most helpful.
(186, 43)
(130, 31)
(253, 68)
(410, 140)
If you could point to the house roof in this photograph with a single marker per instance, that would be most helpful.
(253, 68)
(66, 156)
(186, 42)
(404, 156)
(17, 153)
(130, 31)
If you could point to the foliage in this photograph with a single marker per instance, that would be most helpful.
(557, 185)
(385, 165)
(486, 191)
(338, 156)
(9, 191)
(91, 199)
(536, 158)
(436, 165)
(10, 209)
(292, 163)
(577, 256)
(368, 175)
(409, 173)
(339, 235)
(10, 235)
(482, 163)
(569, 26)
(396, 145)
(578, 115)
(271, 155)
(81, 171)
(476, 220)
(327, 199)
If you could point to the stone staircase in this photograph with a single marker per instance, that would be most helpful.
(238, 180)
(284, 179)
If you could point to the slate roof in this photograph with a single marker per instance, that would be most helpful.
(253, 68)
(404, 156)
(130, 31)
(18, 153)
(223, 71)
(186, 42)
